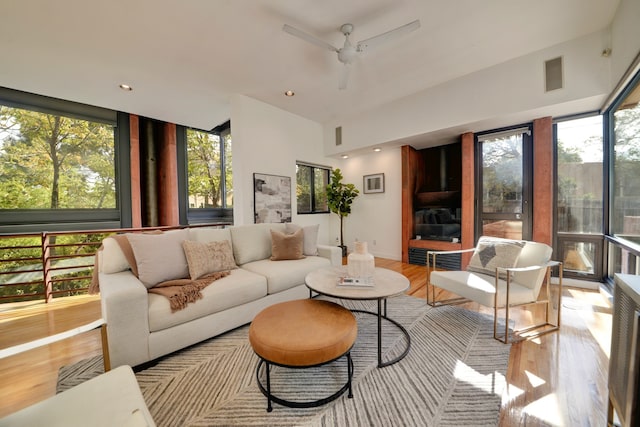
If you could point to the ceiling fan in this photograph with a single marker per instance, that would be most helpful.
(348, 53)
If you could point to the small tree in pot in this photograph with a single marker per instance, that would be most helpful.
(340, 196)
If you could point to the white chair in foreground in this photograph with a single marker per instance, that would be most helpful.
(502, 274)
(110, 399)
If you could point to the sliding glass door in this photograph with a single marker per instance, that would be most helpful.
(504, 183)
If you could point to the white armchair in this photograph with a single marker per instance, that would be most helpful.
(502, 274)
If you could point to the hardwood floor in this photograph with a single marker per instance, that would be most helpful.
(559, 379)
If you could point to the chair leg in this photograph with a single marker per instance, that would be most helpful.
(547, 324)
(105, 348)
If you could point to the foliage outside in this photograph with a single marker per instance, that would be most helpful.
(55, 162)
(340, 196)
(311, 180)
(502, 175)
(626, 171)
(205, 158)
(21, 260)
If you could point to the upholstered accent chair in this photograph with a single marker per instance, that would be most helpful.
(501, 274)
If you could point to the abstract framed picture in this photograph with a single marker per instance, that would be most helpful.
(272, 198)
(374, 183)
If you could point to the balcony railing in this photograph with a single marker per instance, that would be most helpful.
(51, 264)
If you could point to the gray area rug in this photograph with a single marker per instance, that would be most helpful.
(454, 375)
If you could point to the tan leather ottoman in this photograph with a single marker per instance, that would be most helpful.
(302, 334)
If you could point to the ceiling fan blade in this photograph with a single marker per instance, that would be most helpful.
(389, 35)
(308, 37)
(344, 77)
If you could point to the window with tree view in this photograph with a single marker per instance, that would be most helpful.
(210, 180)
(625, 221)
(311, 184)
(51, 161)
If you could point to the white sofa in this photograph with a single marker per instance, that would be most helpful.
(141, 326)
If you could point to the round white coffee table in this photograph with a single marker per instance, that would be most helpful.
(386, 284)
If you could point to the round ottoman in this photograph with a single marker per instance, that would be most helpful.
(302, 334)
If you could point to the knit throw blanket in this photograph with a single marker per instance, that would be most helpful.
(179, 292)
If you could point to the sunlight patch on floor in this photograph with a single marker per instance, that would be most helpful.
(534, 380)
(595, 310)
(511, 393)
(490, 383)
(545, 409)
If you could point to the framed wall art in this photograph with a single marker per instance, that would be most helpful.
(374, 183)
(272, 198)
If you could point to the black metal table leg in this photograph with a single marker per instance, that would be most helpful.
(380, 315)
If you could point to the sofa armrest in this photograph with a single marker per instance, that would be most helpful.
(125, 308)
(332, 253)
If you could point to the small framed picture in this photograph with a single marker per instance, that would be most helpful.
(374, 183)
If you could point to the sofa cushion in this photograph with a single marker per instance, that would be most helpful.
(492, 252)
(206, 234)
(252, 242)
(286, 246)
(160, 257)
(210, 257)
(240, 287)
(112, 259)
(310, 245)
(282, 275)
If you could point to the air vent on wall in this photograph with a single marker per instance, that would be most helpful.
(553, 74)
(339, 135)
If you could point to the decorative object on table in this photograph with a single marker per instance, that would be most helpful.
(272, 198)
(374, 183)
(360, 263)
(340, 196)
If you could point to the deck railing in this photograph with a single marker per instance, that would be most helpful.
(52, 264)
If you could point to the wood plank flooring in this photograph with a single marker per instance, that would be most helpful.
(559, 379)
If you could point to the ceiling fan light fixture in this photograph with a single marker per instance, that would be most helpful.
(348, 52)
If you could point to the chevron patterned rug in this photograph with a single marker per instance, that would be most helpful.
(453, 375)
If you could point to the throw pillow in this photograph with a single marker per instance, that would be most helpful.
(310, 232)
(160, 257)
(210, 257)
(494, 252)
(286, 246)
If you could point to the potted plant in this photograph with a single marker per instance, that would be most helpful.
(339, 198)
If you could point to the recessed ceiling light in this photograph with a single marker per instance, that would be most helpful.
(377, 150)
(289, 93)
(126, 87)
(345, 156)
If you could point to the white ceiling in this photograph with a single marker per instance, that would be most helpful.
(185, 59)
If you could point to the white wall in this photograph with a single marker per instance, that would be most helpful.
(376, 218)
(624, 38)
(269, 140)
(505, 94)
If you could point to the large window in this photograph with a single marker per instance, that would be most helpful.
(580, 195)
(57, 163)
(625, 215)
(209, 177)
(311, 185)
